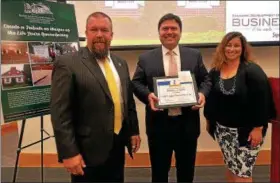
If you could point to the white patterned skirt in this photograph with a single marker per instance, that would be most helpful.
(239, 160)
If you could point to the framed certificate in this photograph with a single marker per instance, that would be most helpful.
(178, 91)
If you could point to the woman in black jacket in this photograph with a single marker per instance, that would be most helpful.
(239, 106)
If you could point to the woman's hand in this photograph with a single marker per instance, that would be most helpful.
(255, 136)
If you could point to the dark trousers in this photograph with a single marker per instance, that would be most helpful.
(110, 171)
(161, 147)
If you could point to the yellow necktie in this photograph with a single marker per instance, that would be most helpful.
(115, 96)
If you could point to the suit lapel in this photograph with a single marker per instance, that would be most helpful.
(184, 60)
(93, 67)
(122, 74)
(159, 63)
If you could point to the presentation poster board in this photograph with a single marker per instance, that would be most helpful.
(33, 33)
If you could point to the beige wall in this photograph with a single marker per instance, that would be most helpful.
(268, 58)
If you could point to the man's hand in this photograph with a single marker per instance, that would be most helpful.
(74, 165)
(135, 143)
(201, 102)
(152, 101)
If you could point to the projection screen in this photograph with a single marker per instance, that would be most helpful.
(204, 22)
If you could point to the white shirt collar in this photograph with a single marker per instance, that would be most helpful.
(175, 50)
(109, 56)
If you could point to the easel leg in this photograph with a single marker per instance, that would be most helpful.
(42, 148)
(19, 149)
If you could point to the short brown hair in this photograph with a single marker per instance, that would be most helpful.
(99, 14)
(170, 16)
(219, 55)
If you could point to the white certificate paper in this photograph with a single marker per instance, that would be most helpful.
(176, 91)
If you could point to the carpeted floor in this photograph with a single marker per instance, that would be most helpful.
(8, 152)
(202, 174)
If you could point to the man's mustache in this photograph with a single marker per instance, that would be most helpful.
(99, 41)
(170, 35)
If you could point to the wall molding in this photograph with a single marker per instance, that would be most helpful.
(204, 158)
(7, 128)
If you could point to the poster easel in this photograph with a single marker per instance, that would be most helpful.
(20, 147)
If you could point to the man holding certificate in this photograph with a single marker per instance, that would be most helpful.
(173, 82)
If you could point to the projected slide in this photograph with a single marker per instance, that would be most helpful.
(203, 21)
(135, 22)
(124, 4)
(257, 23)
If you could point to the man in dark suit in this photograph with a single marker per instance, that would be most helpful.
(92, 108)
(173, 129)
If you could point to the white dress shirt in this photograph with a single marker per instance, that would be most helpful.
(166, 58)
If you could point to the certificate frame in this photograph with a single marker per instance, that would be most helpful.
(184, 104)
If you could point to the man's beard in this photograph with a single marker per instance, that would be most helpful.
(100, 53)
